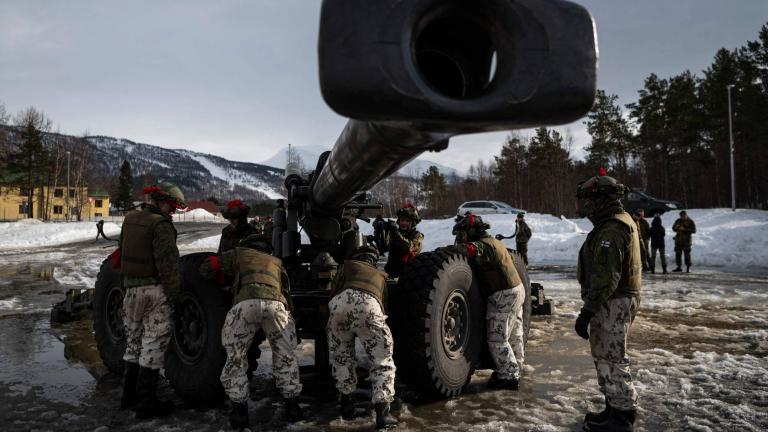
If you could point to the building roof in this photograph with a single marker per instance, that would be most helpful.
(208, 206)
(97, 192)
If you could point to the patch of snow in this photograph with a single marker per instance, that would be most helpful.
(26, 234)
(197, 215)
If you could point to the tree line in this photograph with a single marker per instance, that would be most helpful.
(673, 143)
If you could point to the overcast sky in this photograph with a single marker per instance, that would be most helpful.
(239, 78)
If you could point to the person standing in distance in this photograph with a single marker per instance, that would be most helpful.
(684, 229)
(522, 236)
(609, 272)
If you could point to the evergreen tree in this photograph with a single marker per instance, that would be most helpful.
(32, 155)
(125, 187)
(510, 170)
(433, 185)
(611, 145)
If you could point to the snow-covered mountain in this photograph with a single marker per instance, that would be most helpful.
(310, 153)
(200, 175)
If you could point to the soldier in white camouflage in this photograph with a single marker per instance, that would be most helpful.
(149, 263)
(262, 301)
(504, 291)
(357, 310)
(609, 272)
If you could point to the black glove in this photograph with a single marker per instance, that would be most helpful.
(582, 323)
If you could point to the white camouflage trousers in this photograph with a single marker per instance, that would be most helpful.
(608, 331)
(147, 319)
(357, 313)
(240, 326)
(505, 331)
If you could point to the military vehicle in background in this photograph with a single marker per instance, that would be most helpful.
(410, 75)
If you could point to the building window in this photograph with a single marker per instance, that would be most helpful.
(23, 208)
(71, 193)
(98, 203)
(58, 209)
(98, 214)
(58, 193)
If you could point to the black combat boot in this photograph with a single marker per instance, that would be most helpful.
(384, 419)
(664, 271)
(677, 270)
(598, 417)
(238, 415)
(617, 421)
(130, 376)
(497, 383)
(688, 269)
(293, 410)
(147, 404)
(347, 406)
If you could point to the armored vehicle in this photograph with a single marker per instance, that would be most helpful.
(410, 75)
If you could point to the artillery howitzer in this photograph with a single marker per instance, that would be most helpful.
(410, 74)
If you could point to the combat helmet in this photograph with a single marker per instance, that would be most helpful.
(408, 211)
(469, 226)
(599, 191)
(367, 253)
(168, 192)
(236, 209)
(259, 242)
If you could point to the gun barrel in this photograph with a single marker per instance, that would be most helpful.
(364, 154)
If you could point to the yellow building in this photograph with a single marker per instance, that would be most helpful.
(50, 203)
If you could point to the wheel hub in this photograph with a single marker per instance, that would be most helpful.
(114, 313)
(189, 331)
(455, 325)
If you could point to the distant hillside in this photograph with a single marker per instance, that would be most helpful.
(310, 154)
(199, 175)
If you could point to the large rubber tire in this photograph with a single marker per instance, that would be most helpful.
(108, 318)
(437, 318)
(195, 355)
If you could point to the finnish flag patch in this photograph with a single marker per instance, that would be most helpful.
(605, 243)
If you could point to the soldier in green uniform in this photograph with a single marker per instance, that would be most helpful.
(644, 231)
(522, 236)
(236, 213)
(149, 263)
(357, 310)
(684, 229)
(609, 272)
(262, 301)
(404, 240)
(504, 293)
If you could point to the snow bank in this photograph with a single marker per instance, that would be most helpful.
(34, 233)
(197, 215)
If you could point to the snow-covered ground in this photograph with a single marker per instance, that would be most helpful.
(699, 346)
(28, 233)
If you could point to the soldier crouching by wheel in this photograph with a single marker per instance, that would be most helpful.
(261, 302)
(356, 309)
(505, 294)
(149, 263)
(404, 240)
(609, 272)
(239, 228)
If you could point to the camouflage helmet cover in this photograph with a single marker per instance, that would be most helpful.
(408, 211)
(367, 253)
(236, 209)
(259, 242)
(601, 186)
(470, 223)
(166, 191)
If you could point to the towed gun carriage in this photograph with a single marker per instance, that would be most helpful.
(410, 75)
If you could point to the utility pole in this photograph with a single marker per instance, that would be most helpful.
(68, 211)
(730, 132)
